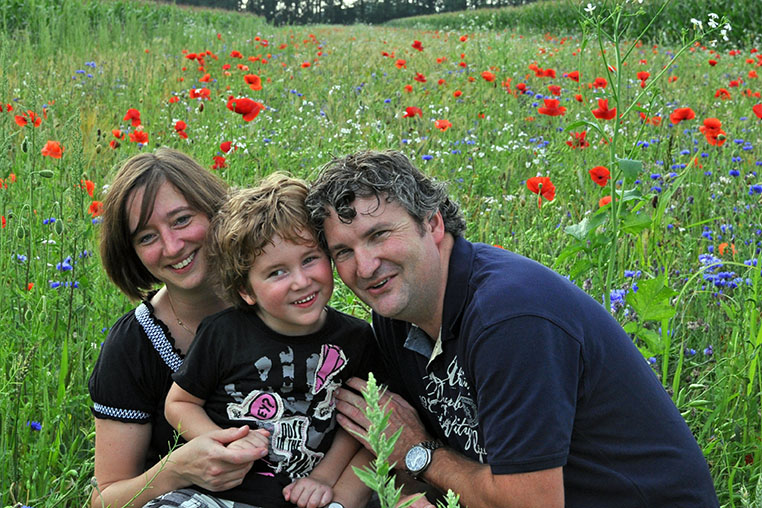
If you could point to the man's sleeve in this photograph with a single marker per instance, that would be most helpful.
(526, 372)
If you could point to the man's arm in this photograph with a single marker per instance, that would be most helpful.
(477, 486)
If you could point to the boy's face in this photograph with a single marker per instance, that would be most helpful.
(291, 284)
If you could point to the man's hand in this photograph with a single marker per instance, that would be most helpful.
(351, 417)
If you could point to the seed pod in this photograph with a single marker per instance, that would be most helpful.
(58, 226)
(97, 148)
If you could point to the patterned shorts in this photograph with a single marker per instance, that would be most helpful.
(189, 498)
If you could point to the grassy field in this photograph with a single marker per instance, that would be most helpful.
(675, 254)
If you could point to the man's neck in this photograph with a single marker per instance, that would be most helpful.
(432, 325)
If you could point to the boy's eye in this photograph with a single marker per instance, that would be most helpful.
(277, 273)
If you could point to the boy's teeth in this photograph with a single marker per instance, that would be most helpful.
(185, 262)
(380, 284)
(305, 300)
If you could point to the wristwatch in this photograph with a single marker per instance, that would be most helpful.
(418, 457)
(334, 504)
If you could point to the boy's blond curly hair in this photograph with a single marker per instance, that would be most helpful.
(247, 223)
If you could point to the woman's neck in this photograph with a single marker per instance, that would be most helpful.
(183, 311)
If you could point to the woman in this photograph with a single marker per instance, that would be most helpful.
(155, 218)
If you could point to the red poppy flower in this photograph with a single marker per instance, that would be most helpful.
(417, 45)
(643, 75)
(488, 76)
(114, 144)
(543, 187)
(722, 93)
(463, 38)
(95, 209)
(117, 133)
(605, 200)
(457, 93)
(578, 140)
(600, 175)
(2, 221)
(29, 116)
(254, 81)
(180, 125)
(521, 87)
(52, 149)
(411, 111)
(712, 131)
(225, 146)
(139, 137)
(236, 54)
(554, 89)
(134, 115)
(206, 78)
(549, 73)
(578, 97)
(305, 65)
(724, 246)
(89, 187)
(246, 107)
(757, 108)
(574, 76)
(408, 88)
(603, 112)
(712, 62)
(681, 114)
(400, 64)
(420, 77)
(202, 93)
(442, 125)
(600, 83)
(219, 162)
(552, 108)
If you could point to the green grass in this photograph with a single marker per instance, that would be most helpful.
(86, 63)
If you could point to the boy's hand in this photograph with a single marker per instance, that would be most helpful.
(308, 493)
(256, 439)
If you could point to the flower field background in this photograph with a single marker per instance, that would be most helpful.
(626, 158)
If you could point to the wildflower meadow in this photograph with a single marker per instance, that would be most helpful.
(623, 151)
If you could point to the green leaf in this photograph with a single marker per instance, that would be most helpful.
(635, 223)
(630, 168)
(652, 300)
(630, 195)
(582, 228)
(650, 337)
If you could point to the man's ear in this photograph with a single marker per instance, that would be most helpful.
(247, 296)
(436, 225)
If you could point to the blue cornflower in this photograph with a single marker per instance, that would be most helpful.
(690, 351)
(685, 152)
(65, 265)
(49, 221)
(736, 158)
(427, 157)
(755, 189)
(54, 284)
(655, 176)
(21, 258)
(387, 101)
(734, 172)
(709, 350)
(633, 273)
(34, 425)
(616, 299)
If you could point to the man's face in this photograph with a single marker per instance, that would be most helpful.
(390, 262)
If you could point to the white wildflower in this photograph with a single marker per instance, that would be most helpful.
(696, 24)
(590, 8)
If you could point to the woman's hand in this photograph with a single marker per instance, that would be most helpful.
(208, 462)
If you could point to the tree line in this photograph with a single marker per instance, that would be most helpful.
(297, 12)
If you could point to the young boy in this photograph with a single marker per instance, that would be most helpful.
(274, 360)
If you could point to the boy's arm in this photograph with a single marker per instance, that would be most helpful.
(341, 452)
(349, 490)
(185, 413)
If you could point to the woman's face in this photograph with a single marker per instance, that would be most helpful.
(171, 243)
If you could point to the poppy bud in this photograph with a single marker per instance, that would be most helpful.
(24, 146)
(28, 314)
(46, 173)
(97, 148)
(21, 232)
(200, 107)
(58, 226)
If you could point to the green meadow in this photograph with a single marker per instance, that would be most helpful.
(650, 201)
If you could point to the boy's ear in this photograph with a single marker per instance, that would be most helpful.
(247, 297)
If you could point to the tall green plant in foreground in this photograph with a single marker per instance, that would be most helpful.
(378, 475)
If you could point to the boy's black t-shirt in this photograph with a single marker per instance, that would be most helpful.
(249, 374)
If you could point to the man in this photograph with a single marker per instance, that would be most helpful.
(523, 390)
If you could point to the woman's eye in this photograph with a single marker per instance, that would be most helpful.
(182, 220)
(145, 239)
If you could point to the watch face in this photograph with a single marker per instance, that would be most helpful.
(335, 505)
(417, 459)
